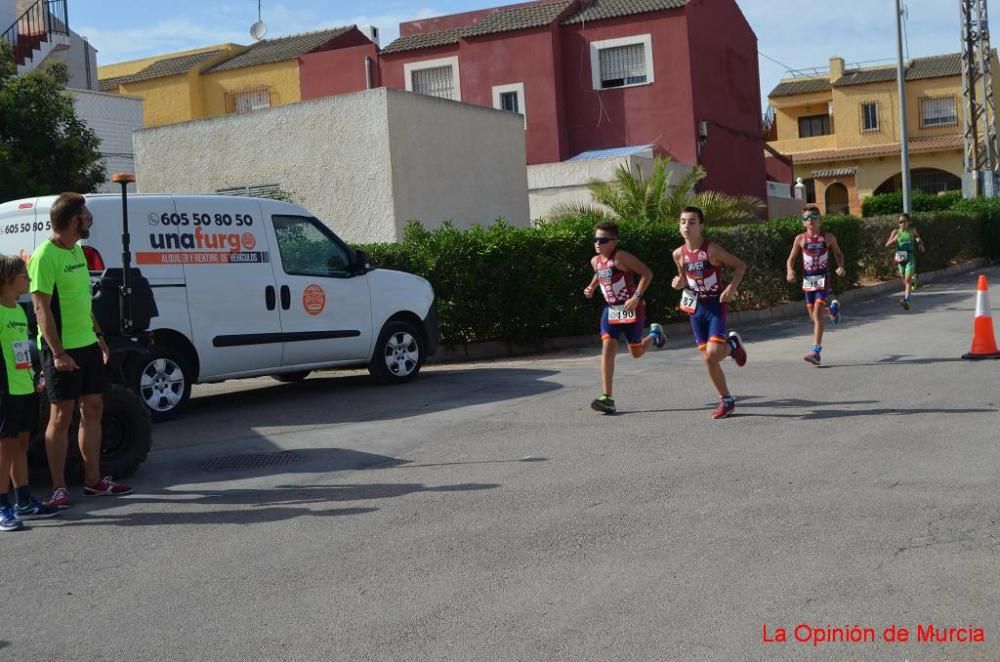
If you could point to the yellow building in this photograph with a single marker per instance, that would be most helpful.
(841, 130)
(205, 82)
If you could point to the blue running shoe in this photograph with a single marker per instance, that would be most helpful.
(835, 312)
(35, 510)
(8, 520)
(659, 337)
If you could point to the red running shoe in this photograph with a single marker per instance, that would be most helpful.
(727, 406)
(739, 352)
(107, 487)
(59, 499)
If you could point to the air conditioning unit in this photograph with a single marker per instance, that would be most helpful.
(371, 31)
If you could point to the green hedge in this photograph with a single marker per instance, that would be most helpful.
(525, 284)
(884, 204)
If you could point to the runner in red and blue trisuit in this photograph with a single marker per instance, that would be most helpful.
(815, 245)
(614, 273)
(699, 273)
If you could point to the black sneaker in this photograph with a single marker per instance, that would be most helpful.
(35, 510)
(604, 404)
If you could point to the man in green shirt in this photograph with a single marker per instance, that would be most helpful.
(72, 347)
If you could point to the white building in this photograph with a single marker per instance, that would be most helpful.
(366, 163)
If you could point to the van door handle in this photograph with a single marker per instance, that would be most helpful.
(286, 297)
(269, 297)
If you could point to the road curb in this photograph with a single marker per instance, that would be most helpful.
(481, 351)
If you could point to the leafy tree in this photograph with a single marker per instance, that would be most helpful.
(44, 147)
(633, 196)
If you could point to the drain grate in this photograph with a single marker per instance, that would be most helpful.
(253, 461)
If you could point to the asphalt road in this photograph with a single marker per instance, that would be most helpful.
(484, 512)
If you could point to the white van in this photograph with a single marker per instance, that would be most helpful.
(245, 287)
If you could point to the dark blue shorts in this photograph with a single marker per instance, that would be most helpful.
(709, 322)
(632, 332)
(819, 296)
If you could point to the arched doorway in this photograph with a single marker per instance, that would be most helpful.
(837, 200)
(928, 180)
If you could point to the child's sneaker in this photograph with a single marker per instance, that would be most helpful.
(659, 337)
(727, 405)
(913, 282)
(905, 303)
(812, 357)
(8, 520)
(35, 510)
(738, 351)
(603, 404)
(59, 499)
(835, 312)
(106, 487)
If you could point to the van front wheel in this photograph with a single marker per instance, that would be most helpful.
(399, 353)
(162, 380)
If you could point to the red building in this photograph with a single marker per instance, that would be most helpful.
(680, 75)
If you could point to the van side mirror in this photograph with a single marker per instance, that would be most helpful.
(360, 263)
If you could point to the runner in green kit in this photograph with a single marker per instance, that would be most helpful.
(18, 400)
(907, 240)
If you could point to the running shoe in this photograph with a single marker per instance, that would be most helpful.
(835, 312)
(35, 510)
(59, 499)
(913, 281)
(738, 351)
(812, 357)
(904, 302)
(726, 407)
(659, 337)
(107, 487)
(603, 404)
(8, 520)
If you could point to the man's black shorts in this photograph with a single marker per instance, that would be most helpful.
(18, 413)
(90, 379)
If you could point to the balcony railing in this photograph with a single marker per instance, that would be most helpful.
(35, 27)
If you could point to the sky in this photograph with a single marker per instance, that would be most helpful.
(798, 34)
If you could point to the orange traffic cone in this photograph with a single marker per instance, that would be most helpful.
(984, 342)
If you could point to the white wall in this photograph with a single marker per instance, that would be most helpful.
(552, 184)
(114, 118)
(338, 158)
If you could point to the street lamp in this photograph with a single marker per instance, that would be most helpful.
(904, 134)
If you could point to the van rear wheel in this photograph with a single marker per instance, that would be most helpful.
(399, 353)
(162, 379)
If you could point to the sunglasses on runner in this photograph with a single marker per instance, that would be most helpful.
(603, 240)
(810, 217)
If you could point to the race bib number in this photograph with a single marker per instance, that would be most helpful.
(813, 283)
(902, 256)
(22, 354)
(689, 301)
(618, 315)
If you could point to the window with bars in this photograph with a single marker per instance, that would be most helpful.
(814, 125)
(508, 102)
(869, 116)
(940, 111)
(245, 101)
(623, 65)
(435, 82)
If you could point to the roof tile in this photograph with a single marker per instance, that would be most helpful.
(604, 9)
(936, 144)
(270, 51)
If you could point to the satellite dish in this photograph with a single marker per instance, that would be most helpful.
(258, 30)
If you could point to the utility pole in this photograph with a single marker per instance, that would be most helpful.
(982, 150)
(904, 133)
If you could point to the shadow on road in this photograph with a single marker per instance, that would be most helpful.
(251, 506)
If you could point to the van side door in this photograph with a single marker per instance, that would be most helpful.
(326, 313)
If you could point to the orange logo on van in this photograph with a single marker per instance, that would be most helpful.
(314, 299)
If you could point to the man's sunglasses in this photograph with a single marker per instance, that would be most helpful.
(810, 217)
(603, 240)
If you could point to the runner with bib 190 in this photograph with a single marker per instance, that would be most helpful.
(624, 315)
(699, 266)
(815, 246)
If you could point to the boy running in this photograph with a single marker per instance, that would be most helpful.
(699, 267)
(907, 239)
(815, 246)
(614, 272)
(18, 401)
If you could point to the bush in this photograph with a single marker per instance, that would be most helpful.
(884, 204)
(987, 211)
(525, 284)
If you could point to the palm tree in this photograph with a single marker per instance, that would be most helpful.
(632, 195)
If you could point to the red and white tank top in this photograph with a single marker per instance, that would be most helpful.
(703, 277)
(617, 285)
(815, 254)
